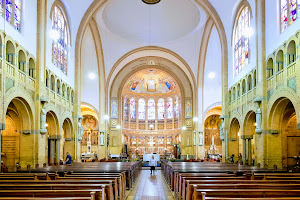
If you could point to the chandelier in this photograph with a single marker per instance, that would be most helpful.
(151, 1)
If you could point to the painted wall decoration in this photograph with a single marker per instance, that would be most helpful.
(114, 109)
(89, 122)
(188, 109)
(151, 81)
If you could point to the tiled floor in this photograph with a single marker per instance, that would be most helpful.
(150, 187)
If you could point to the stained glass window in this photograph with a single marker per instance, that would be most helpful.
(132, 109)
(293, 10)
(151, 109)
(284, 15)
(241, 48)
(176, 108)
(161, 109)
(125, 109)
(170, 108)
(141, 109)
(1, 8)
(8, 10)
(60, 47)
(17, 14)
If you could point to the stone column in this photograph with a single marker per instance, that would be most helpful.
(249, 152)
(52, 151)
(244, 150)
(58, 150)
(261, 89)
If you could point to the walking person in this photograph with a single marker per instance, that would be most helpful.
(152, 164)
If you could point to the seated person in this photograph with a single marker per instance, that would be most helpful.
(68, 159)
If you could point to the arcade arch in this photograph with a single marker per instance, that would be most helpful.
(18, 135)
(284, 137)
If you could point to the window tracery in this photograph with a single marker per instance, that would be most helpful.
(60, 47)
(132, 109)
(161, 109)
(151, 109)
(12, 11)
(125, 109)
(176, 107)
(141, 109)
(170, 108)
(241, 41)
(289, 12)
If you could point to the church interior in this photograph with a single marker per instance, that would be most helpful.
(96, 93)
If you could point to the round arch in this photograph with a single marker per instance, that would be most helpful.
(18, 134)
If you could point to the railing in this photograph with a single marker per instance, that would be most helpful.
(31, 83)
(270, 82)
(52, 95)
(279, 77)
(22, 77)
(291, 69)
(10, 70)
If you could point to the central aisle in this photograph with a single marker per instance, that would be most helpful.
(150, 187)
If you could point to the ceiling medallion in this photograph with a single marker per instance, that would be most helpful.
(151, 1)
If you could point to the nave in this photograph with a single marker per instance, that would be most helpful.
(152, 187)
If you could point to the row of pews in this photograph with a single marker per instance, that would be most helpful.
(93, 181)
(211, 180)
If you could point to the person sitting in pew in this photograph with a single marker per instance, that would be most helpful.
(68, 159)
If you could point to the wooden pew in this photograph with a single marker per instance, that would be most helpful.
(115, 187)
(241, 186)
(97, 194)
(40, 186)
(46, 198)
(245, 193)
(191, 183)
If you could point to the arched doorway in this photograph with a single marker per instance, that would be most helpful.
(284, 138)
(53, 143)
(67, 140)
(248, 138)
(17, 148)
(235, 145)
(213, 143)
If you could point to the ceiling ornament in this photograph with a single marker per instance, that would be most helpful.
(153, 81)
(151, 1)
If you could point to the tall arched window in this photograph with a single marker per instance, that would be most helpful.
(11, 9)
(8, 10)
(151, 109)
(170, 108)
(132, 109)
(176, 107)
(241, 41)
(125, 109)
(141, 109)
(17, 22)
(161, 109)
(60, 47)
(289, 12)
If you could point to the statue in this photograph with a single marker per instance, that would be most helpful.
(201, 139)
(43, 129)
(101, 139)
(80, 128)
(258, 119)
(222, 127)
